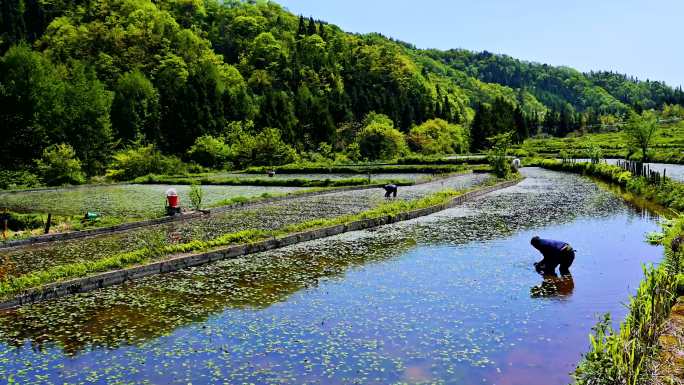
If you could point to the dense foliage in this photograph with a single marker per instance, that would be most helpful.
(100, 76)
(573, 98)
(437, 136)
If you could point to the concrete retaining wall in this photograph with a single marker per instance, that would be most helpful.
(81, 285)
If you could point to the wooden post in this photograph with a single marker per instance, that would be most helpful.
(5, 219)
(48, 223)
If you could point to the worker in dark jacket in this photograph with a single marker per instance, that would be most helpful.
(390, 189)
(555, 253)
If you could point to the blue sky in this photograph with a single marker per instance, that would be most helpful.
(638, 37)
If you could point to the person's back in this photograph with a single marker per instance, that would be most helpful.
(549, 245)
(390, 189)
(555, 253)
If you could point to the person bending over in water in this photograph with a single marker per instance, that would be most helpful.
(555, 253)
(390, 189)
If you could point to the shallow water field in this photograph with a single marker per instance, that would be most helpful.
(131, 201)
(265, 216)
(447, 299)
(416, 177)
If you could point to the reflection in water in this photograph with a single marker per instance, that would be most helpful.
(554, 286)
(445, 299)
(152, 307)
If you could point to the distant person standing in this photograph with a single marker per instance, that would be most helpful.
(390, 189)
(555, 253)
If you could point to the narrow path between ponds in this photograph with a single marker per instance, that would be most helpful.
(265, 216)
(446, 299)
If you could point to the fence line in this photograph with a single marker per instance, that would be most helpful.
(641, 169)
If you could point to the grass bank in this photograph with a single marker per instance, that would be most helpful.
(271, 182)
(26, 225)
(669, 193)
(157, 249)
(627, 355)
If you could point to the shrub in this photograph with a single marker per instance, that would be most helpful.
(520, 153)
(438, 136)
(497, 155)
(18, 180)
(59, 165)
(265, 149)
(19, 222)
(595, 153)
(641, 130)
(209, 151)
(196, 196)
(142, 160)
(353, 152)
(380, 140)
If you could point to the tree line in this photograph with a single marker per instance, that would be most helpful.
(247, 82)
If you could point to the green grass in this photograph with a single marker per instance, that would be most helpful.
(157, 249)
(281, 182)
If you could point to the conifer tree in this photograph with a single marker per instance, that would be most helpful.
(301, 30)
(311, 30)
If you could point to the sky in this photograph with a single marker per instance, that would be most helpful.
(642, 38)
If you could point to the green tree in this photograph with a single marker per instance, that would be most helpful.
(265, 149)
(266, 50)
(29, 90)
(437, 136)
(135, 109)
(59, 165)
(42, 104)
(641, 130)
(379, 139)
(139, 160)
(209, 151)
(497, 156)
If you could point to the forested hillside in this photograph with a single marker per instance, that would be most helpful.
(573, 98)
(256, 84)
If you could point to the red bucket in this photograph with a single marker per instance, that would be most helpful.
(173, 200)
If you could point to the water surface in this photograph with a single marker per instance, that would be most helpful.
(264, 216)
(132, 201)
(448, 299)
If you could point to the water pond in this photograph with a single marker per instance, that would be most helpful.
(265, 216)
(416, 177)
(124, 201)
(446, 299)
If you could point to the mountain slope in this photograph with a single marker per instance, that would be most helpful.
(98, 75)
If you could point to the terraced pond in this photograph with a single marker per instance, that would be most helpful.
(267, 216)
(416, 177)
(130, 201)
(446, 299)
